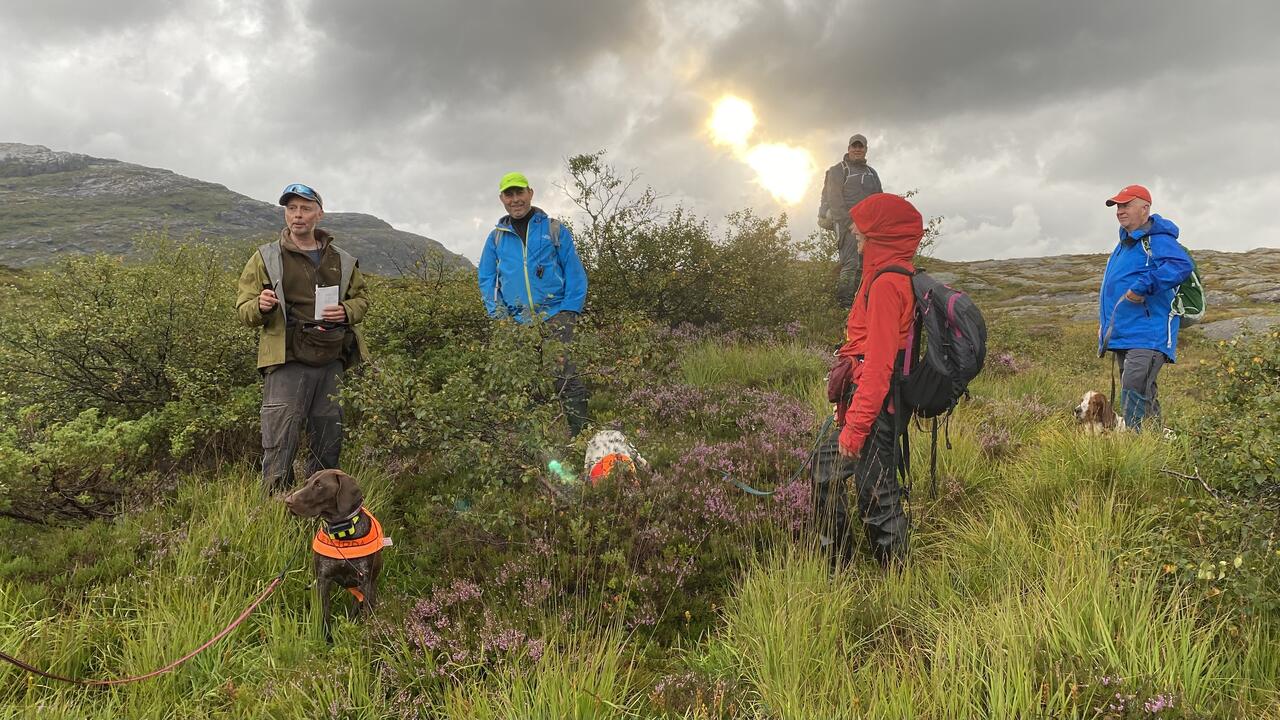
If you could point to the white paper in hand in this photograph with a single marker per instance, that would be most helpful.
(326, 295)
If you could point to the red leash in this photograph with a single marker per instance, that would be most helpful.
(124, 681)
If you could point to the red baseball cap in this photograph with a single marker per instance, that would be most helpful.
(1129, 193)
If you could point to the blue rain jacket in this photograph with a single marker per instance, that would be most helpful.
(1150, 325)
(515, 276)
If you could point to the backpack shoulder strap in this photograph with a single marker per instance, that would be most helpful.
(270, 253)
(895, 269)
(555, 233)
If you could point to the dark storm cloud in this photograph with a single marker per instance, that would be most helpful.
(50, 20)
(1011, 117)
(920, 62)
(516, 61)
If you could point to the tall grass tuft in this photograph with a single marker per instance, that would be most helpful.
(584, 675)
(790, 368)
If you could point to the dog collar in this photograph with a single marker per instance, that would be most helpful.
(345, 528)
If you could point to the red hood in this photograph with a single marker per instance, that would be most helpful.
(893, 228)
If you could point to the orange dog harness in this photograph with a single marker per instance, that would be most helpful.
(607, 463)
(354, 548)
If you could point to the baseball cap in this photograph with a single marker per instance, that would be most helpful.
(301, 191)
(1128, 193)
(858, 138)
(513, 180)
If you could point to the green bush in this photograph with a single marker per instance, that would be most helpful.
(641, 257)
(120, 372)
(451, 395)
(127, 338)
(1227, 543)
(1242, 439)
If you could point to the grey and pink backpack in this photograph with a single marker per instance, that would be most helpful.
(946, 349)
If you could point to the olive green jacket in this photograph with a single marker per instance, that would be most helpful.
(271, 341)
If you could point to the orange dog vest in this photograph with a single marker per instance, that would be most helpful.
(607, 463)
(347, 549)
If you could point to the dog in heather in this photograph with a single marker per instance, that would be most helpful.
(608, 450)
(347, 550)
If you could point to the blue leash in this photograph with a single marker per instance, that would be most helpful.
(822, 434)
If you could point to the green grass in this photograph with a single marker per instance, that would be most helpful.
(586, 675)
(1029, 593)
(225, 546)
(788, 369)
(1018, 610)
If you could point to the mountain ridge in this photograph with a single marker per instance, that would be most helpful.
(116, 202)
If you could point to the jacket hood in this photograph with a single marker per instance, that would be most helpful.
(893, 228)
(1159, 226)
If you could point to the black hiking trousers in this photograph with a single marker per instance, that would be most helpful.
(573, 394)
(876, 487)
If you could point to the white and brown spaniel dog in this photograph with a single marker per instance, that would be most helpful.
(1097, 415)
(609, 450)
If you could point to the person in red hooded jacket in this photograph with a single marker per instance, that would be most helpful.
(888, 230)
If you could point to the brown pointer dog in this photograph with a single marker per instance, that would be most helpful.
(348, 550)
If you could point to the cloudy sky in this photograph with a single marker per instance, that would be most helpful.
(1014, 119)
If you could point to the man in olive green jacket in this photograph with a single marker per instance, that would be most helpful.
(302, 350)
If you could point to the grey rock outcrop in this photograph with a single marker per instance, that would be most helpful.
(1235, 327)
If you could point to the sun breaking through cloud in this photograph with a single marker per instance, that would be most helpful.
(732, 122)
(784, 170)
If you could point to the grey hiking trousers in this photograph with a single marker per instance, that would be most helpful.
(876, 487)
(297, 397)
(1138, 390)
(849, 266)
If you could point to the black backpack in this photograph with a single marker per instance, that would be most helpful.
(946, 349)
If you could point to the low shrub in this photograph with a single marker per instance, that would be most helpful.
(1228, 543)
(125, 372)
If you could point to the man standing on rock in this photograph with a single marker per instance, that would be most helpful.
(846, 184)
(307, 295)
(1138, 286)
(530, 272)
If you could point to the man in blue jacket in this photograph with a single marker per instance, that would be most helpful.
(530, 272)
(1136, 321)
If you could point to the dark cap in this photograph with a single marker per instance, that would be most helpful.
(302, 191)
(858, 138)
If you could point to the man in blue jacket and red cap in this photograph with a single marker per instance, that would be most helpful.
(1135, 318)
(530, 272)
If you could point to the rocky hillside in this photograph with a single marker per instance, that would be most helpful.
(53, 203)
(1242, 289)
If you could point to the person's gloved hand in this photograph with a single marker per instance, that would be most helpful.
(825, 223)
(846, 443)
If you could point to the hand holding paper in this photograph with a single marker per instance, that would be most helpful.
(326, 299)
(335, 314)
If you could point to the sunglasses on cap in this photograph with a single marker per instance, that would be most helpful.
(302, 191)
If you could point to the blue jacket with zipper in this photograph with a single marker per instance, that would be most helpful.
(541, 274)
(1155, 275)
